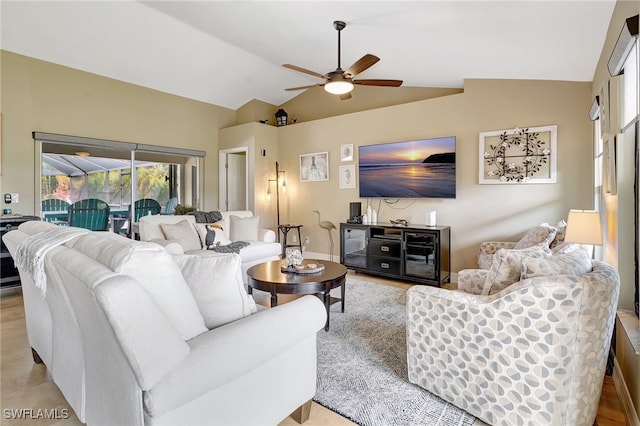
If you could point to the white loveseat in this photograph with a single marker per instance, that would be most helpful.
(120, 331)
(261, 249)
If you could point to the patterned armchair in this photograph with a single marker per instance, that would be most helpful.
(533, 353)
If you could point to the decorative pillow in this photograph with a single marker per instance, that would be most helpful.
(576, 262)
(561, 231)
(541, 235)
(564, 247)
(183, 233)
(211, 234)
(506, 267)
(243, 228)
(216, 284)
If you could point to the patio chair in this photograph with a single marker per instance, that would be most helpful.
(59, 209)
(91, 213)
(170, 207)
(142, 207)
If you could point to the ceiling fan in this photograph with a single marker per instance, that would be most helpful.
(340, 82)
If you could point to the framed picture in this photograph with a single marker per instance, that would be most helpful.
(604, 109)
(346, 152)
(348, 177)
(517, 156)
(314, 167)
(610, 166)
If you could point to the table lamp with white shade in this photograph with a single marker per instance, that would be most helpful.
(583, 227)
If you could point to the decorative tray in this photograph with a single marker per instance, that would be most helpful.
(310, 268)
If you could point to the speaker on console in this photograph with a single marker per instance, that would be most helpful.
(355, 213)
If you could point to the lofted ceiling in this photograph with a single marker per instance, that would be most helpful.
(230, 52)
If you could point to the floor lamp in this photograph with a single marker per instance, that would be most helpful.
(280, 182)
(583, 227)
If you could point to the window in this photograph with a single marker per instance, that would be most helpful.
(630, 115)
(74, 168)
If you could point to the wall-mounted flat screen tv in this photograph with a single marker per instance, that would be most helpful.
(424, 168)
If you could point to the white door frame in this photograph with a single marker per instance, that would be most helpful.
(222, 191)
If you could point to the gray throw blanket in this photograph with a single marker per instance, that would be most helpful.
(207, 217)
(234, 247)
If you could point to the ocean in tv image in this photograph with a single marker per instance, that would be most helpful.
(424, 168)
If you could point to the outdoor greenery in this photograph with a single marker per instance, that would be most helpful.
(114, 187)
(182, 209)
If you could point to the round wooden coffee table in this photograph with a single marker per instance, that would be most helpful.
(268, 277)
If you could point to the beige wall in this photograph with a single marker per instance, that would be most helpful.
(40, 96)
(479, 212)
(617, 210)
(257, 137)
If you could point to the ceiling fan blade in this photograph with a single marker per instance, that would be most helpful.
(361, 64)
(304, 70)
(345, 96)
(387, 83)
(304, 87)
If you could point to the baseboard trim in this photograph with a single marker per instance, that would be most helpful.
(624, 396)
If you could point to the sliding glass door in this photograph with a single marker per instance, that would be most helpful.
(119, 173)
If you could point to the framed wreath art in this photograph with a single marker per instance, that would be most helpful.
(515, 156)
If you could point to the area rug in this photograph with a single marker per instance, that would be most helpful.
(362, 364)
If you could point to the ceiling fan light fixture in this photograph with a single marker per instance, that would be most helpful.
(338, 85)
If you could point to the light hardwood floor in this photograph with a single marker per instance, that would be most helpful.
(25, 385)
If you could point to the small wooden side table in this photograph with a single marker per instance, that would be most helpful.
(285, 230)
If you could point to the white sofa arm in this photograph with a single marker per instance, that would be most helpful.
(150, 343)
(266, 235)
(226, 353)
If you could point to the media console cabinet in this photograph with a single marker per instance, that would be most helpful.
(9, 276)
(415, 253)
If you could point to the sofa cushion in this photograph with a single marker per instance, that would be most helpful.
(211, 234)
(216, 284)
(576, 262)
(149, 226)
(154, 269)
(243, 228)
(184, 233)
(540, 235)
(506, 267)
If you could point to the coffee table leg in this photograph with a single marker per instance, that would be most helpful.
(274, 299)
(342, 292)
(327, 304)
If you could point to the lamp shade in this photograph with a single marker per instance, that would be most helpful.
(583, 227)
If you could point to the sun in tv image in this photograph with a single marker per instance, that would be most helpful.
(424, 168)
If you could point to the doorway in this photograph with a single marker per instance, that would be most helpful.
(233, 179)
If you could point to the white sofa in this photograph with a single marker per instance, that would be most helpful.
(262, 249)
(120, 331)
